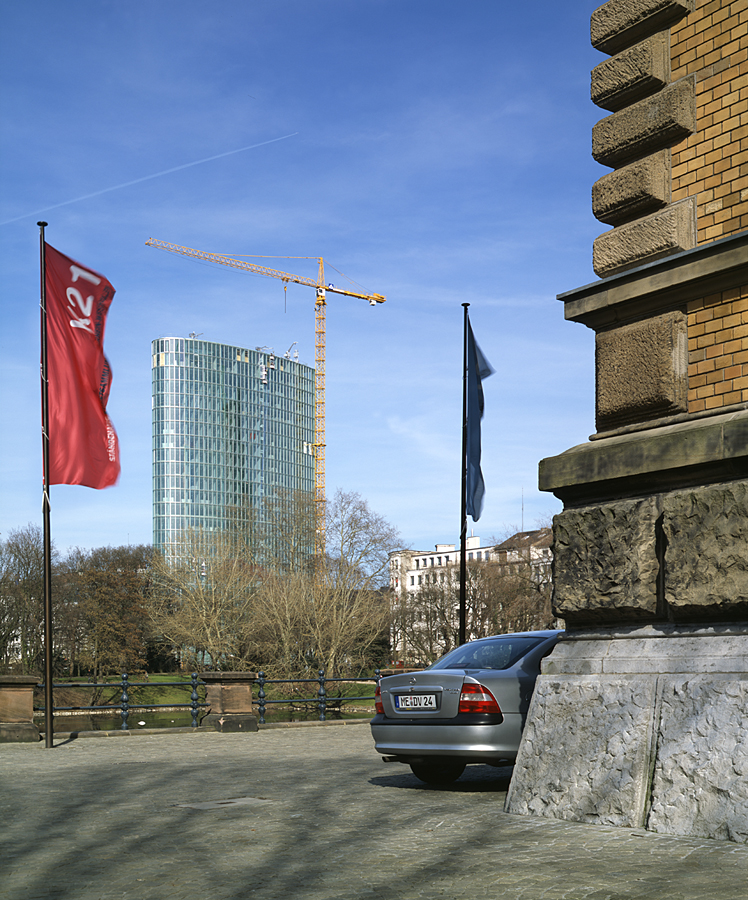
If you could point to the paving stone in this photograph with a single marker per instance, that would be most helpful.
(110, 820)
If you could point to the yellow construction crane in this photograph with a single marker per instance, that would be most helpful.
(319, 352)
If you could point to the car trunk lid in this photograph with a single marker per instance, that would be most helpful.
(433, 695)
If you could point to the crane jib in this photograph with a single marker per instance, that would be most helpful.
(319, 355)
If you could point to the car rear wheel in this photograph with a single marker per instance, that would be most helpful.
(438, 773)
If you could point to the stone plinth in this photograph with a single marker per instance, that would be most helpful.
(229, 698)
(641, 727)
(17, 708)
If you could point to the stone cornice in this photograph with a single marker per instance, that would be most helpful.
(660, 286)
(670, 457)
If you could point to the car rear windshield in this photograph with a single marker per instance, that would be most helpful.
(499, 654)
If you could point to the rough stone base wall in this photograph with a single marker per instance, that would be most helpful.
(645, 727)
(680, 556)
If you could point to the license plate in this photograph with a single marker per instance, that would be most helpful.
(416, 701)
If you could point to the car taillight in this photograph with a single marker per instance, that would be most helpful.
(475, 698)
(378, 701)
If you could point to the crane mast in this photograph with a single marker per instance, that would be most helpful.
(320, 351)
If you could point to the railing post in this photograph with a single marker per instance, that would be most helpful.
(124, 704)
(17, 708)
(321, 696)
(194, 699)
(261, 696)
(229, 698)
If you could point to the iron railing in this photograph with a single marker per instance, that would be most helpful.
(320, 699)
(124, 706)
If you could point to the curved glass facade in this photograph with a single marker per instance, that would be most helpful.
(230, 427)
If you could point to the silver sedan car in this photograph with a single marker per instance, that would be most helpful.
(468, 707)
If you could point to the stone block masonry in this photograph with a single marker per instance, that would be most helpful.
(641, 370)
(640, 714)
(641, 373)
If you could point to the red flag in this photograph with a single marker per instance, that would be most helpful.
(83, 447)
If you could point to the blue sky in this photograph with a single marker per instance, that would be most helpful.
(435, 152)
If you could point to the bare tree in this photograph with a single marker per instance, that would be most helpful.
(111, 585)
(203, 591)
(255, 596)
(9, 624)
(329, 613)
(22, 600)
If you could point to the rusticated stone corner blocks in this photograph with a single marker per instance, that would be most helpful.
(641, 370)
(640, 714)
(663, 233)
(584, 751)
(605, 563)
(621, 23)
(649, 125)
(700, 777)
(641, 187)
(679, 557)
(638, 72)
(650, 115)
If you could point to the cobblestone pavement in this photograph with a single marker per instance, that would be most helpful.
(315, 815)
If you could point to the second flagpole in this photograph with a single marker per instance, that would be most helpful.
(463, 484)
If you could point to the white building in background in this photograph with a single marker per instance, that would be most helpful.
(412, 569)
(528, 548)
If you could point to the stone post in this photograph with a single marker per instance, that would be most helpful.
(229, 698)
(17, 708)
(640, 716)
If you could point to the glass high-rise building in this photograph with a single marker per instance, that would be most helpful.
(231, 426)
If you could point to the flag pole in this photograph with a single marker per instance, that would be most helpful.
(463, 485)
(48, 702)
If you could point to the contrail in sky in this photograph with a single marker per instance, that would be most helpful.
(148, 178)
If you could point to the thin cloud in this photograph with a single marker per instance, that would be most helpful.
(125, 184)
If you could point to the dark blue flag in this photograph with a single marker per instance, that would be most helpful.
(478, 368)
